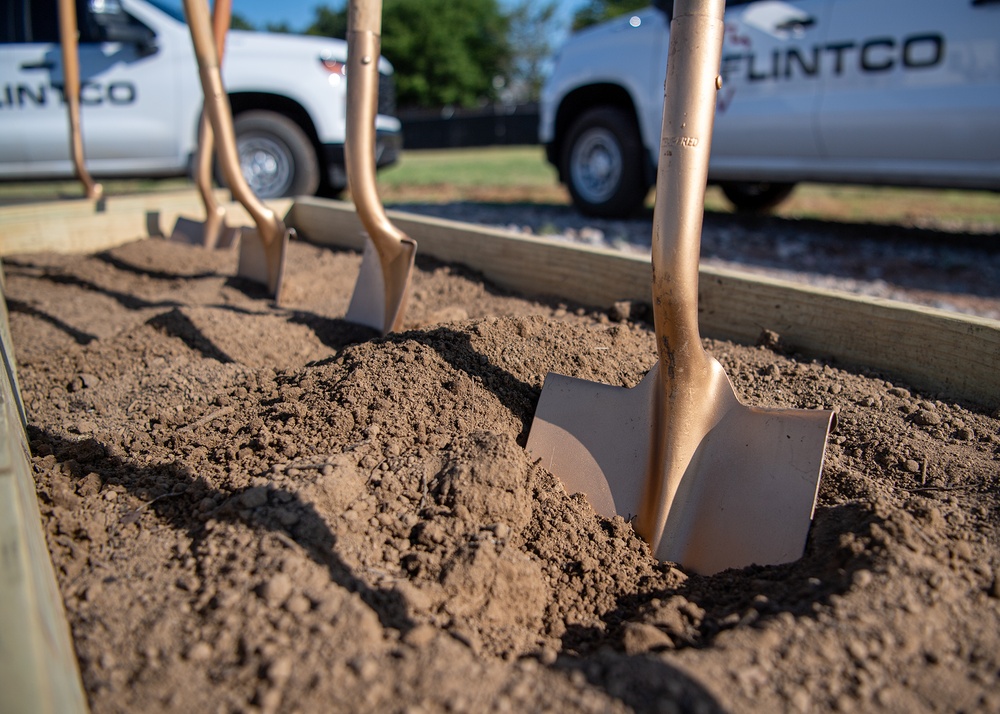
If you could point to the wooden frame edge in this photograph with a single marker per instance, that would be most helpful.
(38, 666)
(932, 350)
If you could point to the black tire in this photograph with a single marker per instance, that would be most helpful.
(277, 158)
(749, 197)
(603, 163)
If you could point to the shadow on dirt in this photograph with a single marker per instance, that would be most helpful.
(630, 663)
(176, 496)
(705, 606)
(126, 300)
(109, 258)
(78, 336)
(644, 683)
(176, 324)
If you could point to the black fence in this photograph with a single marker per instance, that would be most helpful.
(453, 128)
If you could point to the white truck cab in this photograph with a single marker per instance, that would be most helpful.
(141, 98)
(899, 92)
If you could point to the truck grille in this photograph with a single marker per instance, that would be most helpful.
(386, 94)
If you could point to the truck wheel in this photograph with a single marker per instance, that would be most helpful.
(276, 157)
(750, 197)
(602, 163)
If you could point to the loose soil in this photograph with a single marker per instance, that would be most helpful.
(261, 509)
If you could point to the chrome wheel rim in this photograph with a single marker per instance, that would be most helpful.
(596, 165)
(265, 165)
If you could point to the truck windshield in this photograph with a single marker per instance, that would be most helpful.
(169, 7)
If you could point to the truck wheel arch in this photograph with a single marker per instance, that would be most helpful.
(598, 151)
(579, 101)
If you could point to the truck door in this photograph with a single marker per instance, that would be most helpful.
(918, 90)
(766, 110)
(128, 96)
(24, 40)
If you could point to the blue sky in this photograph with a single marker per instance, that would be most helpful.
(299, 13)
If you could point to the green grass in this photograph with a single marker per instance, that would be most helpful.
(520, 174)
(943, 209)
(489, 166)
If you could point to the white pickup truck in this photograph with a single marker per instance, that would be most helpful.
(141, 98)
(898, 92)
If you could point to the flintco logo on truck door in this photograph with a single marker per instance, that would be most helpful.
(92, 94)
(878, 54)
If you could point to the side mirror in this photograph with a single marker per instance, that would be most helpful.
(666, 7)
(113, 24)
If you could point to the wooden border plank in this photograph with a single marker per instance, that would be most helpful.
(38, 666)
(933, 350)
(523, 264)
(83, 226)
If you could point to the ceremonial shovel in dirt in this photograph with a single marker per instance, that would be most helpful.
(379, 298)
(213, 231)
(68, 31)
(711, 483)
(262, 250)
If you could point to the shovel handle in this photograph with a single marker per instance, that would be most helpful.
(222, 12)
(693, 60)
(222, 15)
(270, 227)
(68, 30)
(364, 28)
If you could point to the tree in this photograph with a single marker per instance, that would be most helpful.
(531, 26)
(282, 28)
(445, 52)
(328, 22)
(238, 22)
(597, 11)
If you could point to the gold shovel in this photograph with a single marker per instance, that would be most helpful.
(68, 31)
(213, 232)
(379, 298)
(711, 483)
(262, 250)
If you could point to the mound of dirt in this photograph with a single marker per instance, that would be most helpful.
(260, 509)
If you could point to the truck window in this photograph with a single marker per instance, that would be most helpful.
(36, 21)
(12, 22)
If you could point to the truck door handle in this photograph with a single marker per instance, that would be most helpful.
(43, 64)
(799, 23)
(984, 2)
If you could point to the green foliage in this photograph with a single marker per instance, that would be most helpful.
(531, 26)
(279, 27)
(445, 52)
(597, 11)
(328, 22)
(238, 22)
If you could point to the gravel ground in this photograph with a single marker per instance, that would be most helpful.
(951, 267)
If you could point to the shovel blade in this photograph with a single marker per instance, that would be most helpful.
(745, 497)
(226, 237)
(263, 263)
(749, 494)
(209, 234)
(596, 439)
(380, 295)
(188, 231)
